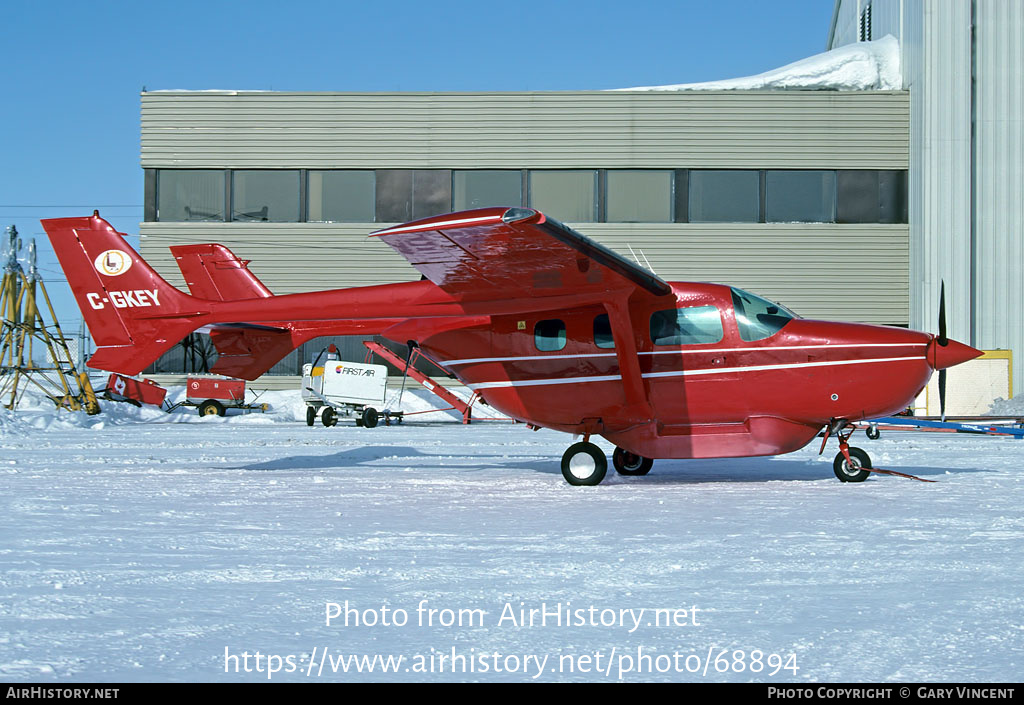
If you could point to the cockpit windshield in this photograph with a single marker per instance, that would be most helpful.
(758, 318)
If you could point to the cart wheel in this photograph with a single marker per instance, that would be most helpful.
(370, 417)
(310, 415)
(211, 407)
(329, 417)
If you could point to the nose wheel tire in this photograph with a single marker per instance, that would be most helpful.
(627, 463)
(854, 472)
(584, 464)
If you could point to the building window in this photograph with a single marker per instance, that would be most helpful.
(484, 189)
(857, 196)
(639, 196)
(800, 196)
(549, 335)
(724, 196)
(892, 197)
(569, 196)
(265, 196)
(190, 194)
(340, 197)
(603, 332)
(695, 325)
(867, 196)
(411, 194)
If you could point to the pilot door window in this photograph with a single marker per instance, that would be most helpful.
(549, 335)
(696, 325)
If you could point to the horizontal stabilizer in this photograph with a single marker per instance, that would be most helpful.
(214, 272)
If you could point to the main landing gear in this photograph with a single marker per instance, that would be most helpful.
(585, 464)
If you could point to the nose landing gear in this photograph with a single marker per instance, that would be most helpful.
(853, 464)
(850, 464)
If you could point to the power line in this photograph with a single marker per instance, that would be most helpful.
(56, 205)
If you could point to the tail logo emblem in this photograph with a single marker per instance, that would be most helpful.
(113, 263)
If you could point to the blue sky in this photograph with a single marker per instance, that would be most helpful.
(72, 71)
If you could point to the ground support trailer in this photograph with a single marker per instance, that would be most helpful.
(210, 394)
(341, 388)
(134, 391)
(213, 395)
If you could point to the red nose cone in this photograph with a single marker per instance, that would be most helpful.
(952, 353)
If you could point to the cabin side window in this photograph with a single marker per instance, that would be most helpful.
(549, 335)
(696, 325)
(758, 318)
(603, 332)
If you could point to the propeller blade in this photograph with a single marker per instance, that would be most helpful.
(942, 394)
(942, 315)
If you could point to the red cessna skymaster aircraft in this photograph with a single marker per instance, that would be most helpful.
(547, 325)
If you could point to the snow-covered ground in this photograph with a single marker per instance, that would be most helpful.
(139, 546)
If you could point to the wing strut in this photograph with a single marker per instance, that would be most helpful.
(637, 405)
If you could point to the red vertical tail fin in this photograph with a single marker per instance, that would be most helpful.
(134, 315)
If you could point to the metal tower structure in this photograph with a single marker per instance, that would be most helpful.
(25, 335)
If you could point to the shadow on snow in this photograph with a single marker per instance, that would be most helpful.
(763, 469)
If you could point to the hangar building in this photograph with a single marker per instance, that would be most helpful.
(823, 200)
(962, 66)
(735, 187)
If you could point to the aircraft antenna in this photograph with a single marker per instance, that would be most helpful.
(645, 263)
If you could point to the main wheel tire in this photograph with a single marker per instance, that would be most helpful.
(370, 417)
(584, 464)
(310, 415)
(627, 463)
(211, 407)
(329, 416)
(873, 433)
(855, 473)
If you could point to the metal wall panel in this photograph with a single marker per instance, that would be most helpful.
(999, 180)
(937, 73)
(727, 129)
(805, 266)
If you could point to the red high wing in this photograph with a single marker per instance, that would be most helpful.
(509, 253)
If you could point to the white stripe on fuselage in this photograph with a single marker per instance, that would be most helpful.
(580, 356)
(684, 373)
